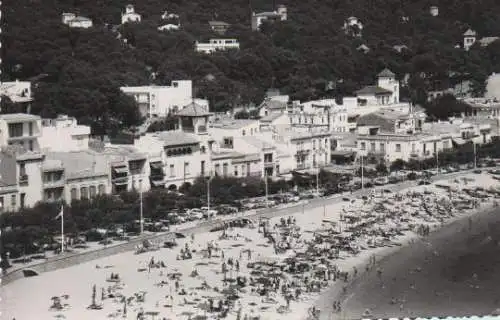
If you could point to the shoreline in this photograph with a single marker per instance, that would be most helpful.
(410, 238)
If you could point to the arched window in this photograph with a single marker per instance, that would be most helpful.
(93, 192)
(74, 193)
(84, 193)
(102, 189)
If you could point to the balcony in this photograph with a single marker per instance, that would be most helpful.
(120, 180)
(23, 180)
(377, 153)
(303, 152)
(269, 164)
(53, 184)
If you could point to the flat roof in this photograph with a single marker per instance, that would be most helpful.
(176, 138)
(232, 124)
(19, 117)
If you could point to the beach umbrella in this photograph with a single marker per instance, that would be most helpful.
(496, 312)
(321, 267)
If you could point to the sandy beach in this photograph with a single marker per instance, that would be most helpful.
(270, 269)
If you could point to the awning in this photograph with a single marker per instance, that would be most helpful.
(459, 141)
(342, 153)
(156, 165)
(120, 182)
(120, 169)
(158, 183)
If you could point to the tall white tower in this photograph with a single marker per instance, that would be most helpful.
(387, 80)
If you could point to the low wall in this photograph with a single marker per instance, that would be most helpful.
(71, 259)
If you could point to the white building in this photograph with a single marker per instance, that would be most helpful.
(159, 101)
(237, 150)
(353, 26)
(386, 91)
(17, 91)
(219, 27)
(387, 147)
(469, 39)
(280, 14)
(434, 11)
(74, 21)
(302, 150)
(217, 45)
(19, 134)
(64, 134)
(130, 15)
(320, 115)
(169, 27)
(182, 155)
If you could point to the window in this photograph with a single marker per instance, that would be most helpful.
(84, 193)
(217, 169)
(74, 194)
(224, 169)
(30, 145)
(102, 189)
(445, 145)
(235, 171)
(172, 170)
(203, 150)
(22, 169)
(202, 168)
(314, 144)
(30, 128)
(382, 147)
(363, 146)
(243, 132)
(412, 147)
(398, 147)
(242, 170)
(186, 168)
(93, 192)
(372, 146)
(15, 130)
(13, 200)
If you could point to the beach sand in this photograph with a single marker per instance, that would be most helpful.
(30, 298)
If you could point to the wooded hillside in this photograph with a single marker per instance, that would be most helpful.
(85, 68)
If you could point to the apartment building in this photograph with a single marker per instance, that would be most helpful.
(130, 15)
(181, 155)
(159, 101)
(70, 136)
(280, 14)
(217, 45)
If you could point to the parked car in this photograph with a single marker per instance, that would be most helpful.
(381, 181)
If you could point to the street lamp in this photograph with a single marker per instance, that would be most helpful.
(141, 208)
(267, 188)
(475, 157)
(362, 174)
(141, 212)
(208, 193)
